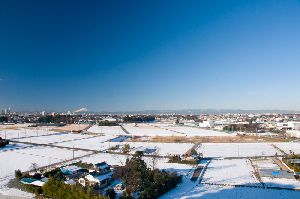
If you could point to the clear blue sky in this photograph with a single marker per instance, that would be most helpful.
(140, 55)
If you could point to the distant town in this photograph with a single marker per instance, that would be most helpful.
(57, 155)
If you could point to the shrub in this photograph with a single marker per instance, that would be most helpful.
(111, 193)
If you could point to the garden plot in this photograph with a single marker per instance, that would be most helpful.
(25, 132)
(266, 163)
(163, 149)
(287, 146)
(230, 172)
(237, 149)
(195, 131)
(106, 130)
(23, 159)
(148, 130)
(55, 138)
(93, 143)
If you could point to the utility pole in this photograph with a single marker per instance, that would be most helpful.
(73, 152)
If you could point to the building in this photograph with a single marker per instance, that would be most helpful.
(207, 124)
(100, 177)
(96, 179)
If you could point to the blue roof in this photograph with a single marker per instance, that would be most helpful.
(27, 180)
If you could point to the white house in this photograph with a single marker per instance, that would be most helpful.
(94, 178)
(206, 124)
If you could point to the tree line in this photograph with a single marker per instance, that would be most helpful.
(139, 118)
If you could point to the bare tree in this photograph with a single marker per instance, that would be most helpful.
(154, 158)
(34, 166)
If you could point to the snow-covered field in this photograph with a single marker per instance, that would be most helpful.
(227, 172)
(54, 138)
(232, 172)
(107, 130)
(218, 192)
(144, 129)
(195, 131)
(163, 129)
(236, 149)
(163, 149)
(23, 159)
(13, 146)
(220, 171)
(281, 182)
(287, 146)
(25, 132)
(94, 143)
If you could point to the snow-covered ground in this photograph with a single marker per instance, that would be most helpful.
(281, 182)
(107, 130)
(144, 129)
(237, 149)
(167, 129)
(287, 146)
(218, 192)
(94, 143)
(164, 149)
(54, 138)
(111, 159)
(23, 158)
(13, 146)
(25, 132)
(232, 172)
(14, 193)
(195, 131)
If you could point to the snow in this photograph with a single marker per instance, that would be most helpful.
(23, 158)
(111, 159)
(107, 130)
(13, 146)
(163, 149)
(236, 149)
(230, 172)
(14, 193)
(94, 143)
(281, 182)
(25, 132)
(143, 129)
(55, 138)
(233, 172)
(218, 192)
(287, 146)
(196, 131)
(163, 129)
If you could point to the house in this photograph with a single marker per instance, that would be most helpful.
(206, 124)
(73, 172)
(102, 167)
(69, 170)
(96, 179)
(101, 176)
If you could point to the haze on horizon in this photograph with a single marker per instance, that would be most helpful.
(149, 55)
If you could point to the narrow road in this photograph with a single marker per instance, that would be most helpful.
(123, 129)
(280, 164)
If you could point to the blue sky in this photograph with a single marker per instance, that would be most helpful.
(142, 55)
